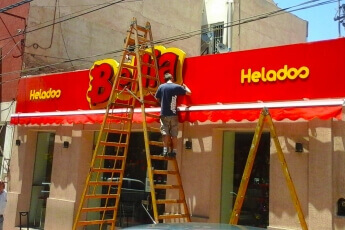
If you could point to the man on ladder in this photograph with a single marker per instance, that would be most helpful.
(167, 94)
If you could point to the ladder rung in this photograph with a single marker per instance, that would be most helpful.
(169, 201)
(102, 196)
(164, 172)
(154, 129)
(156, 143)
(115, 144)
(127, 79)
(148, 64)
(95, 222)
(131, 53)
(142, 28)
(118, 118)
(121, 105)
(153, 115)
(167, 186)
(141, 40)
(110, 170)
(159, 157)
(110, 157)
(128, 66)
(120, 131)
(131, 42)
(149, 77)
(98, 209)
(172, 216)
(122, 92)
(150, 102)
(146, 52)
(108, 183)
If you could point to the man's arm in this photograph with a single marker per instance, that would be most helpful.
(158, 96)
(188, 91)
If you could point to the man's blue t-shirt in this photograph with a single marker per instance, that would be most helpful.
(167, 94)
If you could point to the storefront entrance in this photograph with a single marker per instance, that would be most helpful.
(235, 152)
(135, 190)
(41, 178)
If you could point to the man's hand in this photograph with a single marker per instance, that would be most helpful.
(188, 91)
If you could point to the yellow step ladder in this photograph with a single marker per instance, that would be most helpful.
(100, 198)
(265, 117)
(175, 207)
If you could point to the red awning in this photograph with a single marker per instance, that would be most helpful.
(292, 110)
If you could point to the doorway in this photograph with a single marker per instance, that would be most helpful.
(41, 178)
(134, 187)
(236, 148)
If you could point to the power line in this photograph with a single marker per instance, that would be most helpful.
(67, 15)
(3, 57)
(340, 17)
(14, 5)
(87, 4)
(63, 20)
(189, 34)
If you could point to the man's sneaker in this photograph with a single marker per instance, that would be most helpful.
(172, 154)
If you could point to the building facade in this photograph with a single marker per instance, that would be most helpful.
(13, 23)
(56, 143)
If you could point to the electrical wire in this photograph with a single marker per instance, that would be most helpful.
(36, 45)
(189, 34)
(14, 5)
(66, 19)
(47, 56)
(15, 45)
(93, 5)
(8, 106)
(62, 35)
(5, 44)
(67, 15)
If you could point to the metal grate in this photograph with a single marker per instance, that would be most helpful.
(217, 29)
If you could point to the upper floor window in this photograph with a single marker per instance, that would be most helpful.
(211, 36)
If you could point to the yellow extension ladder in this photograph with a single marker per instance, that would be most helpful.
(265, 117)
(100, 198)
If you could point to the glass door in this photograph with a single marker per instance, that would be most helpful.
(236, 148)
(41, 178)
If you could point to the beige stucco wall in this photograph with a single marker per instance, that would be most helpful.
(70, 167)
(101, 34)
(282, 211)
(272, 31)
(338, 177)
(316, 172)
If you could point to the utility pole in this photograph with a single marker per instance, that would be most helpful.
(340, 17)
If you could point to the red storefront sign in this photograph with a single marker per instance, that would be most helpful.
(294, 81)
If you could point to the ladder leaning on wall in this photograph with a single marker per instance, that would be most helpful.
(265, 117)
(100, 200)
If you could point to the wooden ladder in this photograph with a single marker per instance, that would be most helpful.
(100, 198)
(265, 117)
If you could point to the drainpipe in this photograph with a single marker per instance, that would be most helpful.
(229, 24)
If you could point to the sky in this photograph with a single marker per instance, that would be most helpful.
(321, 19)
